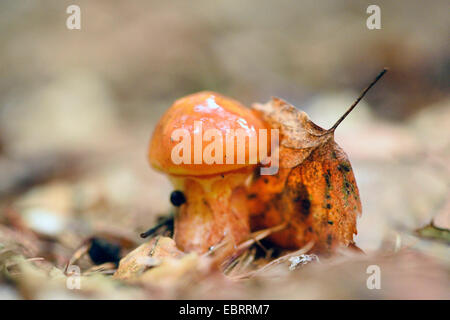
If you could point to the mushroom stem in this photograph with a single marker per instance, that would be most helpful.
(215, 211)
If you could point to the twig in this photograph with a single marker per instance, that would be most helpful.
(166, 222)
(81, 251)
(105, 268)
(357, 101)
(255, 237)
(259, 235)
(275, 262)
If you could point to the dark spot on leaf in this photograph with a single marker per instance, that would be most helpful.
(343, 167)
(328, 206)
(300, 197)
(346, 189)
(306, 204)
(329, 239)
(327, 177)
(330, 222)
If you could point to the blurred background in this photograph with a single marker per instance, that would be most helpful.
(77, 108)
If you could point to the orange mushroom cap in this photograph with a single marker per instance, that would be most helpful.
(214, 111)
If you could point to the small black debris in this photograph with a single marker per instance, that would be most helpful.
(102, 251)
(177, 198)
(163, 222)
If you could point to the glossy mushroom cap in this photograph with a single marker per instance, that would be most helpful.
(214, 111)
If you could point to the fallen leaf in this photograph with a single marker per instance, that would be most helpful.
(147, 255)
(173, 271)
(432, 232)
(159, 264)
(314, 191)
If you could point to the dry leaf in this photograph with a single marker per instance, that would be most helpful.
(433, 232)
(315, 190)
(159, 263)
(173, 271)
(145, 256)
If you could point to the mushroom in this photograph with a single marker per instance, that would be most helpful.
(194, 144)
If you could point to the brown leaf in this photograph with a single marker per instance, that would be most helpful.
(314, 191)
(158, 263)
(432, 232)
(147, 255)
(299, 135)
(174, 271)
